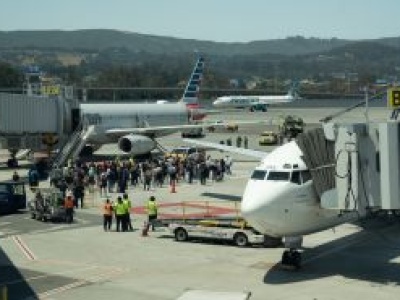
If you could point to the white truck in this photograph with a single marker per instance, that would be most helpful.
(237, 232)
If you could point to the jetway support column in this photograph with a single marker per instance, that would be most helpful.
(389, 165)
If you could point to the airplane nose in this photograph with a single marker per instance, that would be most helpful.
(253, 209)
(259, 208)
(217, 102)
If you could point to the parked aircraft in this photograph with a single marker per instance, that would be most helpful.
(279, 199)
(135, 126)
(255, 102)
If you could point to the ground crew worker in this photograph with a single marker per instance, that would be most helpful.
(119, 214)
(239, 141)
(107, 215)
(152, 211)
(69, 208)
(246, 142)
(127, 217)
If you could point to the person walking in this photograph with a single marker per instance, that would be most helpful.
(228, 165)
(69, 208)
(79, 194)
(152, 211)
(15, 176)
(107, 215)
(127, 217)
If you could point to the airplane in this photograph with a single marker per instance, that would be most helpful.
(255, 102)
(279, 199)
(135, 126)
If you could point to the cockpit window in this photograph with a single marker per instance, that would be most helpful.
(296, 177)
(306, 176)
(258, 175)
(278, 176)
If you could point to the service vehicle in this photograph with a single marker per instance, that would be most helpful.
(237, 232)
(12, 196)
(47, 205)
(268, 138)
(291, 126)
(231, 127)
(182, 152)
(193, 133)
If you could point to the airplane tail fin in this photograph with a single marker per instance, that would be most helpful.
(191, 93)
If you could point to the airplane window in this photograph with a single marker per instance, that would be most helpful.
(296, 177)
(306, 176)
(278, 176)
(258, 175)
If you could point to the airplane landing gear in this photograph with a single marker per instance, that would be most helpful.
(291, 258)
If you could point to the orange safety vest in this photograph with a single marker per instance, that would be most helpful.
(69, 203)
(107, 209)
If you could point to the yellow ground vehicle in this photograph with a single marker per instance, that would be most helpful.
(232, 127)
(268, 138)
(181, 152)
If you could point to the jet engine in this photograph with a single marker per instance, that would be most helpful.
(136, 144)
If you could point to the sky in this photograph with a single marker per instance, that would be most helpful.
(212, 20)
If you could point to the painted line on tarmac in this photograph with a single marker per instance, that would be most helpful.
(24, 247)
(5, 223)
(28, 279)
(81, 282)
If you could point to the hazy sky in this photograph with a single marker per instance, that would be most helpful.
(217, 20)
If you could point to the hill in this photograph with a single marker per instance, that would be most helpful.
(98, 40)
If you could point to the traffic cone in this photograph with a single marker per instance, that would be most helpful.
(173, 186)
(145, 230)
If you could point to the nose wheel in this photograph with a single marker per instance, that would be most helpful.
(291, 258)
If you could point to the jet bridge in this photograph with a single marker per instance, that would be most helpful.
(355, 167)
(34, 122)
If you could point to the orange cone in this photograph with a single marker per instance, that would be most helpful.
(173, 186)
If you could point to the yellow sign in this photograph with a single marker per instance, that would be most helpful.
(50, 90)
(394, 97)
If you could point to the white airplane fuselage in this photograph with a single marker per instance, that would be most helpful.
(280, 199)
(119, 116)
(250, 101)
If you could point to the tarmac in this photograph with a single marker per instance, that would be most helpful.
(81, 261)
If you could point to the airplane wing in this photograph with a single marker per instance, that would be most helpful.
(247, 152)
(151, 130)
(162, 130)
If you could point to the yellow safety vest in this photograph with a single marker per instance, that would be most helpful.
(119, 209)
(152, 208)
(127, 205)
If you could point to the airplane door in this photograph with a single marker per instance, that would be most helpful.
(76, 118)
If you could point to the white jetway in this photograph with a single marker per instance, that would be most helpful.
(359, 169)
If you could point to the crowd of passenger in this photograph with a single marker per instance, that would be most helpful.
(115, 176)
